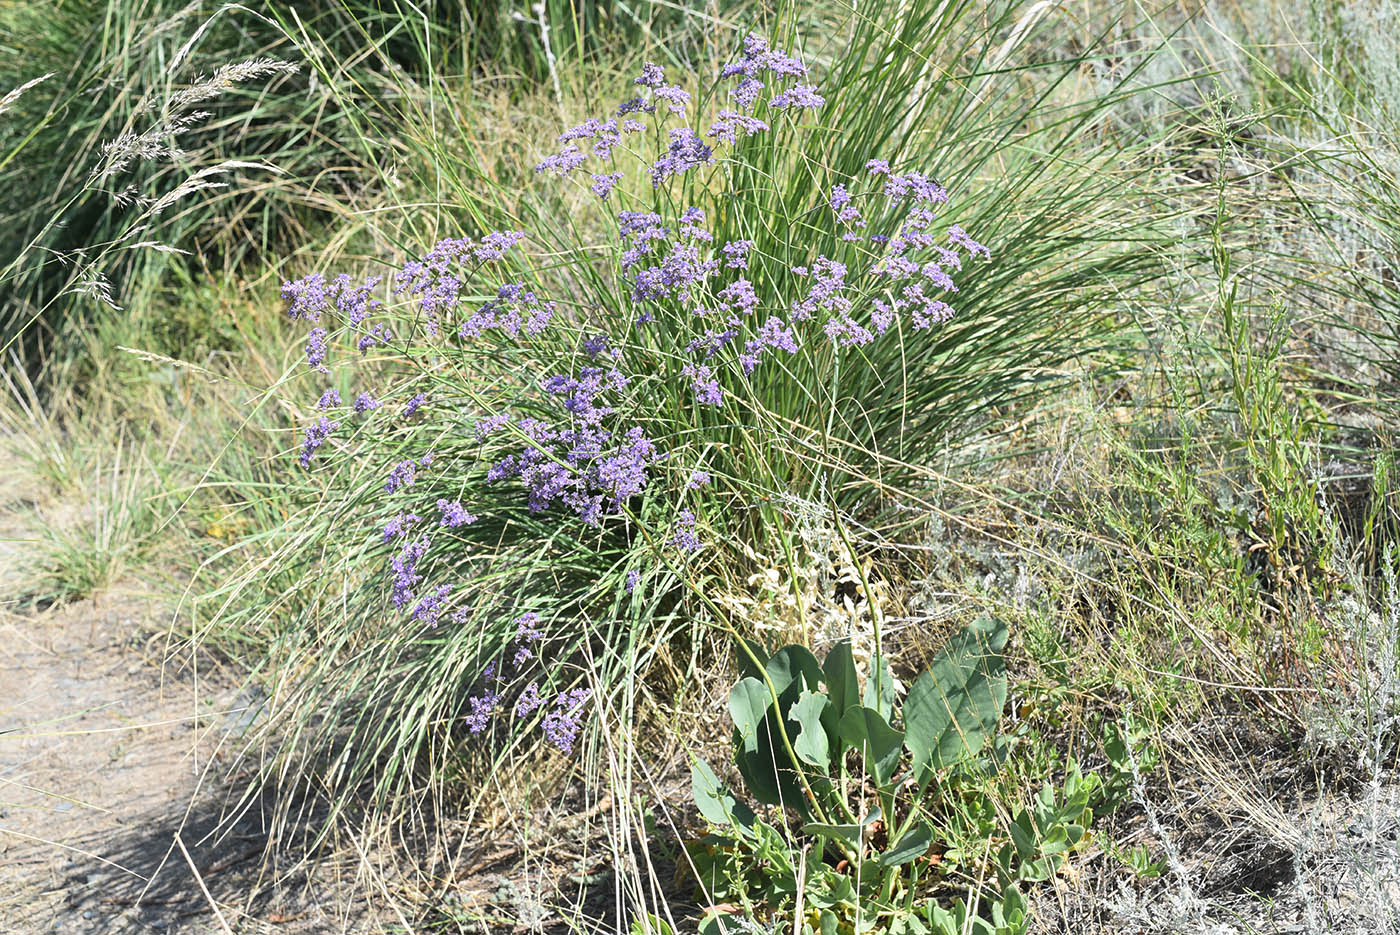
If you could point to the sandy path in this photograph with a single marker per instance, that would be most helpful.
(106, 755)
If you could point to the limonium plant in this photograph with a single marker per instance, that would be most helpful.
(532, 447)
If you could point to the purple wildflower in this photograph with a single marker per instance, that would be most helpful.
(736, 253)
(731, 125)
(697, 480)
(652, 76)
(631, 583)
(316, 435)
(454, 514)
(491, 424)
(675, 97)
(798, 96)
(308, 297)
(379, 334)
(563, 162)
(595, 345)
(846, 331)
(561, 725)
(430, 608)
(746, 96)
(684, 537)
(686, 151)
(827, 292)
(482, 709)
(739, 295)
(416, 401)
(400, 525)
(329, 398)
(526, 633)
(703, 382)
(356, 304)
(405, 568)
(603, 185)
(316, 349)
(776, 335)
(529, 700)
(365, 402)
(401, 475)
(959, 236)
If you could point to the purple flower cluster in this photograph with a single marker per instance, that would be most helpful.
(582, 465)
(454, 514)
(400, 525)
(526, 633)
(432, 606)
(316, 435)
(405, 569)
(686, 149)
(405, 473)
(562, 724)
(309, 297)
(316, 349)
(437, 280)
(514, 309)
(684, 537)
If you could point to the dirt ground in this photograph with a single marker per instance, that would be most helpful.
(113, 780)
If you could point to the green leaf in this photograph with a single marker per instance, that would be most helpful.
(811, 744)
(748, 703)
(953, 708)
(879, 687)
(791, 664)
(914, 844)
(842, 683)
(865, 729)
(768, 770)
(1023, 836)
(851, 834)
(716, 803)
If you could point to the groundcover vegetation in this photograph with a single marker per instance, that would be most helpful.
(869, 454)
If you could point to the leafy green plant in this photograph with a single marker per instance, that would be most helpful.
(862, 776)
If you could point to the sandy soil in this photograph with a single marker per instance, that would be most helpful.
(110, 760)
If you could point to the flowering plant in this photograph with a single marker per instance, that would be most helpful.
(522, 405)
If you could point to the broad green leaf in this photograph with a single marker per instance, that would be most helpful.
(842, 683)
(791, 664)
(953, 708)
(748, 702)
(811, 744)
(866, 730)
(913, 845)
(769, 771)
(716, 803)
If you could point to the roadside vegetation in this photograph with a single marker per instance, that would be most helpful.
(905, 467)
